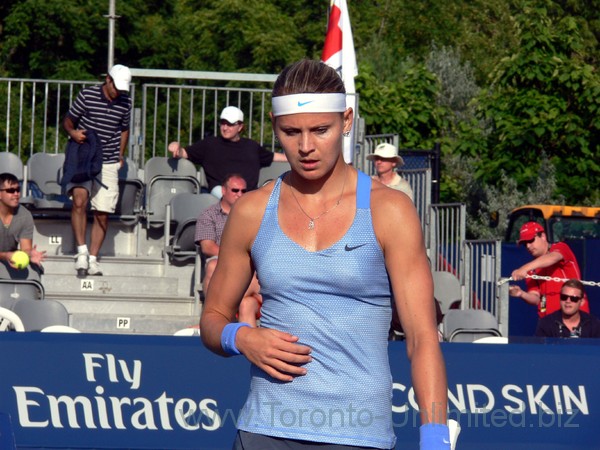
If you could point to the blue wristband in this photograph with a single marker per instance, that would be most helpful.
(434, 436)
(228, 337)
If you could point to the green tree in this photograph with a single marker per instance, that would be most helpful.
(544, 98)
(405, 106)
(53, 39)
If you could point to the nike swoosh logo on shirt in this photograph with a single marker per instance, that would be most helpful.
(349, 248)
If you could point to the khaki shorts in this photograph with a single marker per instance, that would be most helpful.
(103, 199)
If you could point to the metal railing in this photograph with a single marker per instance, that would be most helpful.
(481, 273)
(190, 113)
(447, 230)
(33, 111)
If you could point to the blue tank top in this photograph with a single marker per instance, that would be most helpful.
(337, 301)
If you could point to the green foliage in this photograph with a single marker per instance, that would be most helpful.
(544, 98)
(407, 106)
(458, 85)
(504, 197)
(497, 83)
(50, 39)
(226, 36)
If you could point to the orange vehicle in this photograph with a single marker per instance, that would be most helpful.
(560, 222)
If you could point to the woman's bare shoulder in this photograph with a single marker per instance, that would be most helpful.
(251, 206)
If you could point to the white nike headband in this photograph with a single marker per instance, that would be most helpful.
(308, 103)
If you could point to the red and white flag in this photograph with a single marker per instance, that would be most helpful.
(338, 52)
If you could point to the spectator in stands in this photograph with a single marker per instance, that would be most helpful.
(569, 321)
(209, 228)
(554, 261)
(228, 153)
(387, 161)
(17, 232)
(105, 109)
(330, 248)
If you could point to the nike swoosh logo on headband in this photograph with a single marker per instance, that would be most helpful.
(301, 104)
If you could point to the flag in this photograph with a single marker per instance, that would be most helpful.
(338, 52)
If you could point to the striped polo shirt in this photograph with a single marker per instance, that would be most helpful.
(93, 111)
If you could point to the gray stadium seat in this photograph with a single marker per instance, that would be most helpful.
(446, 290)
(18, 289)
(469, 325)
(272, 172)
(44, 172)
(39, 314)
(130, 193)
(11, 163)
(164, 179)
(184, 209)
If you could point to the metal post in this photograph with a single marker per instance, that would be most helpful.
(111, 33)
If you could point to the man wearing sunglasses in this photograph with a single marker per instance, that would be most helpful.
(570, 321)
(209, 228)
(105, 109)
(228, 153)
(555, 261)
(16, 232)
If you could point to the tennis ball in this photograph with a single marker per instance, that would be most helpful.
(20, 259)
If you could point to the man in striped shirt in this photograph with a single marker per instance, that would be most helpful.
(105, 109)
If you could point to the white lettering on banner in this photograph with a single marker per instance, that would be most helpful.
(520, 404)
(134, 377)
(110, 412)
(98, 408)
(143, 413)
(480, 399)
(472, 388)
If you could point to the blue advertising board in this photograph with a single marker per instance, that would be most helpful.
(162, 392)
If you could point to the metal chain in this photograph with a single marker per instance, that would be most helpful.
(501, 281)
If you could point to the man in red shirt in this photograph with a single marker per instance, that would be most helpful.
(555, 261)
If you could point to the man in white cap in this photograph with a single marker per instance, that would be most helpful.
(110, 102)
(228, 153)
(386, 160)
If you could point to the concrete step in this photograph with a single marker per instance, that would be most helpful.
(127, 305)
(119, 286)
(111, 265)
(122, 277)
(132, 324)
(136, 295)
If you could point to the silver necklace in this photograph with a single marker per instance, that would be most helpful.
(311, 220)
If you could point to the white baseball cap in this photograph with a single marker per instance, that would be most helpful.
(121, 75)
(232, 114)
(387, 151)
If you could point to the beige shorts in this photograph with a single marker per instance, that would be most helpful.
(103, 199)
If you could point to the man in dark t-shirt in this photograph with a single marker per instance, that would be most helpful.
(228, 153)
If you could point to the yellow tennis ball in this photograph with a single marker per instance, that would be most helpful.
(20, 259)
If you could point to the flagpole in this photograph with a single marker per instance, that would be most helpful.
(338, 52)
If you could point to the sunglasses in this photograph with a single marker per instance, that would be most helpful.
(573, 298)
(229, 124)
(11, 190)
(236, 190)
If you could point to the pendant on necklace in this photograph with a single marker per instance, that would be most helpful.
(311, 224)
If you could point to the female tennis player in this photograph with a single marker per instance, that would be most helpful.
(331, 249)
